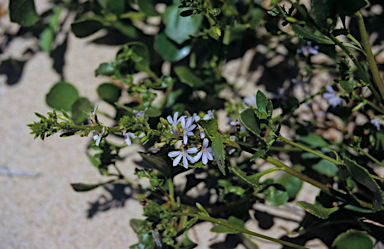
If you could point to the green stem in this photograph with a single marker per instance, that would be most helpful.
(310, 150)
(371, 157)
(171, 191)
(369, 103)
(371, 59)
(297, 174)
(243, 230)
(148, 71)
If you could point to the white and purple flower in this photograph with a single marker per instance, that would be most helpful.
(183, 154)
(97, 135)
(308, 49)
(187, 127)
(332, 97)
(205, 153)
(376, 123)
(209, 115)
(173, 122)
(128, 136)
(140, 114)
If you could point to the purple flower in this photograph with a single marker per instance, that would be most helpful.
(140, 114)
(126, 137)
(183, 153)
(97, 135)
(201, 130)
(376, 123)
(205, 152)
(187, 128)
(173, 122)
(92, 116)
(332, 97)
(308, 49)
(250, 103)
(209, 115)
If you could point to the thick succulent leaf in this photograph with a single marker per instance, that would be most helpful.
(169, 50)
(275, 196)
(248, 119)
(353, 239)
(80, 108)
(109, 92)
(62, 96)
(291, 184)
(179, 28)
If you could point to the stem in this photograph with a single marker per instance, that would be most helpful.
(371, 59)
(148, 71)
(243, 230)
(371, 157)
(369, 103)
(171, 191)
(293, 172)
(310, 150)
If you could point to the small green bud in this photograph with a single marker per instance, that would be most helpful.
(154, 182)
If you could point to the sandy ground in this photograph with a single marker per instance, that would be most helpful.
(39, 209)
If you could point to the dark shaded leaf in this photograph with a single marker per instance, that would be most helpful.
(148, 7)
(326, 167)
(161, 163)
(223, 229)
(23, 12)
(261, 101)
(248, 119)
(275, 196)
(186, 243)
(251, 180)
(210, 126)
(83, 187)
(86, 27)
(362, 175)
(291, 184)
(373, 227)
(188, 77)
(105, 68)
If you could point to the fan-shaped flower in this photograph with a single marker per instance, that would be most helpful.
(127, 136)
(97, 135)
(205, 153)
(187, 127)
(332, 97)
(183, 154)
(173, 122)
(376, 123)
(209, 115)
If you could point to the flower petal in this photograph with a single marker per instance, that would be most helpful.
(177, 160)
(174, 153)
(205, 159)
(185, 162)
(198, 156)
(205, 143)
(191, 150)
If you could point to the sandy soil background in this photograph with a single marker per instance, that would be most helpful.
(38, 208)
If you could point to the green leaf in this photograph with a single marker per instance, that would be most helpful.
(83, 187)
(179, 28)
(23, 12)
(188, 77)
(141, 228)
(352, 239)
(248, 119)
(95, 162)
(276, 197)
(326, 167)
(114, 6)
(62, 96)
(223, 229)
(305, 33)
(153, 112)
(373, 227)
(148, 7)
(261, 101)
(210, 126)
(317, 210)
(169, 50)
(323, 11)
(140, 54)
(312, 139)
(80, 106)
(347, 85)
(251, 180)
(362, 175)
(258, 154)
(109, 92)
(46, 39)
(105, 68)
(219, 153)
(202, 209)
(185, 242)
(86, 26)
(161, 163)
(291, 184)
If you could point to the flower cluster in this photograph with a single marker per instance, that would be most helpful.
(184, 127)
